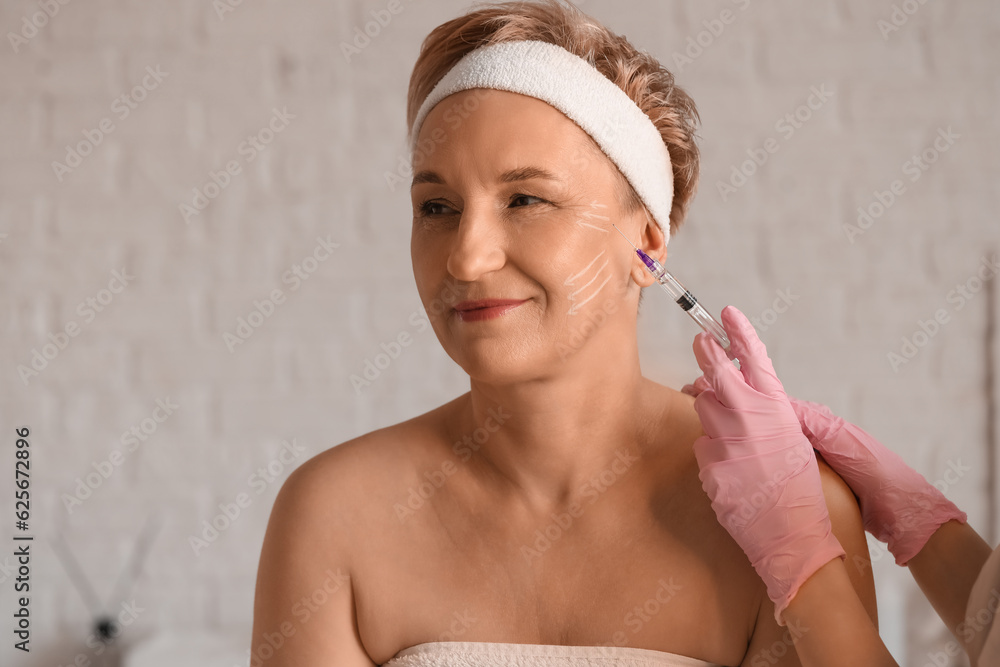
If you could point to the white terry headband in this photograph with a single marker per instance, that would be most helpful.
(575, 87)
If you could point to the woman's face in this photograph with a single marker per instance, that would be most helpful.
(489, 224)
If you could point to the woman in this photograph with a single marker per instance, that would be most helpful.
(555, 509)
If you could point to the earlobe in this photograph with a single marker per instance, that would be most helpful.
(641, 275)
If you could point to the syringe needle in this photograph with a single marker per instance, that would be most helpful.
(623, 235)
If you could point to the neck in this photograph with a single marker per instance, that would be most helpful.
(551, 437)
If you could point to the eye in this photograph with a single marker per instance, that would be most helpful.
(426, 210)
(425, 207)
(516, 197)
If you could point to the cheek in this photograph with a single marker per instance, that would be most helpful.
(428, 251)
(590, 281)
(428, 272)
(582, 268)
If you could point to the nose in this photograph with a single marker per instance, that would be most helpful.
(478, 247)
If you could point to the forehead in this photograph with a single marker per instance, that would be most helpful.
(503, 128)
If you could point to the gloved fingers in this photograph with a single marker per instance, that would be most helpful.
(729, 384)
(818, 422)
(815, 407)
(744, 344)
(752, 457)
(709, 410)
(700, 384)
(757, 425)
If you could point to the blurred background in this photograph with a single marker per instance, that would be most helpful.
(164, 167)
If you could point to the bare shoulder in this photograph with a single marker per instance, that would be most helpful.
(841, 502)
(345, 469)
(338, 487)
(322, 527)
(842, 506)
(684, 417)
(347, 494)
(848, 527)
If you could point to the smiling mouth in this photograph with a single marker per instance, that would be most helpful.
(485, 309)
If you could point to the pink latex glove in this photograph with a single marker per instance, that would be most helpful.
(898, 505)
(757, 466)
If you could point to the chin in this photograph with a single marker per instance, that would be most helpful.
(497, 363)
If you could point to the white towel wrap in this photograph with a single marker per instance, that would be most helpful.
(500, 654)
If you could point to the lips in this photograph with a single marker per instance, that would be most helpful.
(486, 303)
(485, 309)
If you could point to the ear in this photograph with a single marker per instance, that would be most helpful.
(653, 242)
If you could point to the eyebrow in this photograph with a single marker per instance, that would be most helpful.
(511, 176)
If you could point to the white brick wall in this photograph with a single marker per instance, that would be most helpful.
(324, 175)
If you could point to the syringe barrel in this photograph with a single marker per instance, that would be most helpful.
(673, 287)
(708, 323)
(686, 300)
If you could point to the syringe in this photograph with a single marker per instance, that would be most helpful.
(681, 296)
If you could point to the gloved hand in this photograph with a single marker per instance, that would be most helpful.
(898, 505)
(757, 466)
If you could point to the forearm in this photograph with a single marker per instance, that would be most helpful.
(947, 567)
(830, 625)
